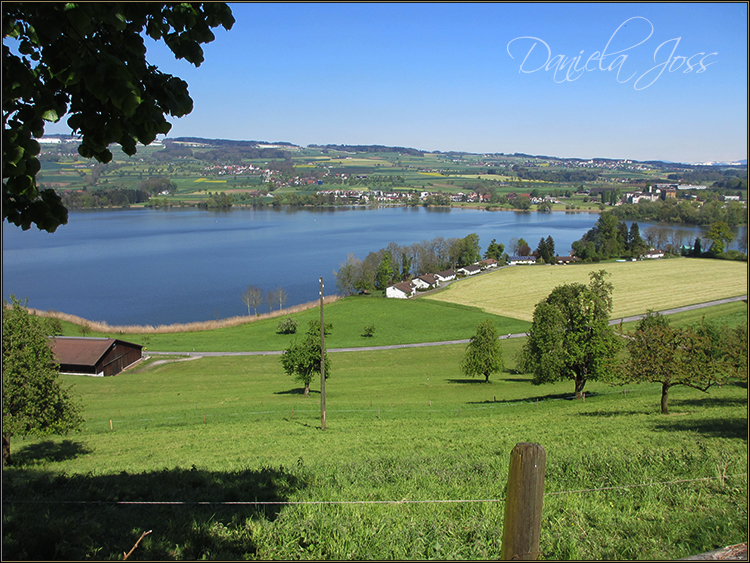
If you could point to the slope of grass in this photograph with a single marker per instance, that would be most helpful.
(638, 286)
(396, 321)
(622, 482)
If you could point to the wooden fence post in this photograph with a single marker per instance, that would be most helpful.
(522, 524)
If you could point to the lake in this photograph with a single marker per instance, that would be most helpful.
(142, 266)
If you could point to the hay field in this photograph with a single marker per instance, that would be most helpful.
(638, 286)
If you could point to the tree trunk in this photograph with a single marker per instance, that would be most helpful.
(307, 389)
(580, 382)
(665, 398)
(6, 449)
(486, 377)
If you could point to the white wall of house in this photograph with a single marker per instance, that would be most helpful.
(395, 292)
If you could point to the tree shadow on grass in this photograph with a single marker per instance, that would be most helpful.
(298, 391)
(540, 398)
(49, 450)
(715, 427)
(469, 381)
(710, 402)
(56, 516)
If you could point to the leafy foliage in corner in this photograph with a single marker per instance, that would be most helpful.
(33, 400)
(88, 61)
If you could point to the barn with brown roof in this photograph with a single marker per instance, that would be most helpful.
(94, 356)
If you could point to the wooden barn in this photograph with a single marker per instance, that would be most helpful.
(94, 356)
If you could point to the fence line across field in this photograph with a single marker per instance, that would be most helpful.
(383, 502)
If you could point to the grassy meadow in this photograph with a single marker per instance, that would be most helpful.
(413, 462)
(638, 286)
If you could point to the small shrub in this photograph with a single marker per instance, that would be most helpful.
(287, 325)
(368, 331)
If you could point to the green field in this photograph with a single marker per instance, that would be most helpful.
(413, 462)
(638, 286)
(622, 481)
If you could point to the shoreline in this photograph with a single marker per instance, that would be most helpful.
(198, 326)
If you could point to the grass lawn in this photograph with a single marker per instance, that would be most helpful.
(622, 481)
(396, 321)
(638, 286)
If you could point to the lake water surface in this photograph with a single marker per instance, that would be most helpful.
(141, 266)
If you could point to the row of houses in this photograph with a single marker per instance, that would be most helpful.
(407, 289)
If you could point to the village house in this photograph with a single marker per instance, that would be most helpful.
(402, 290)
(566, 259)
(426, 281)
(469, 270)
(654, 254)
(488, 263)
(446, 275)
(518, 260)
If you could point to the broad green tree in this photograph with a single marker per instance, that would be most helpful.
(34, 401)
(659, 353)
(720, 236)
(484, 355)
(301, 360)
(88, 61)
(570, 337)
(495, 250)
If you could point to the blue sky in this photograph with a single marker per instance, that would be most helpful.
(462, 77)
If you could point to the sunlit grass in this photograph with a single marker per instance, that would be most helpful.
(638, 286)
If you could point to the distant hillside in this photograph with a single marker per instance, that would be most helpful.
(369, 148)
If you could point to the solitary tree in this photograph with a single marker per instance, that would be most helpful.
(302, 359)
(34, 402)
(484, 355)
(252, 297)
(720, 236)
(87, 60)
(570, 337)
(659, 353)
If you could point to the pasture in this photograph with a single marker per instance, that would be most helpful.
(638, 286)
(224, 458)
(412, 465)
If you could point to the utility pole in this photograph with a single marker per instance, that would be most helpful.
(322, 362)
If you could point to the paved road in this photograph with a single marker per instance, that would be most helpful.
(446, 342)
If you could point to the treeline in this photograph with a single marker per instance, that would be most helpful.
(720, 178)
(555, 175)
(610, 238)
(396, 263)
(116, 196)
(683, 211)
(369, 148)
(235, 155)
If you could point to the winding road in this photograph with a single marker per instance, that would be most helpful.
(445, 342)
